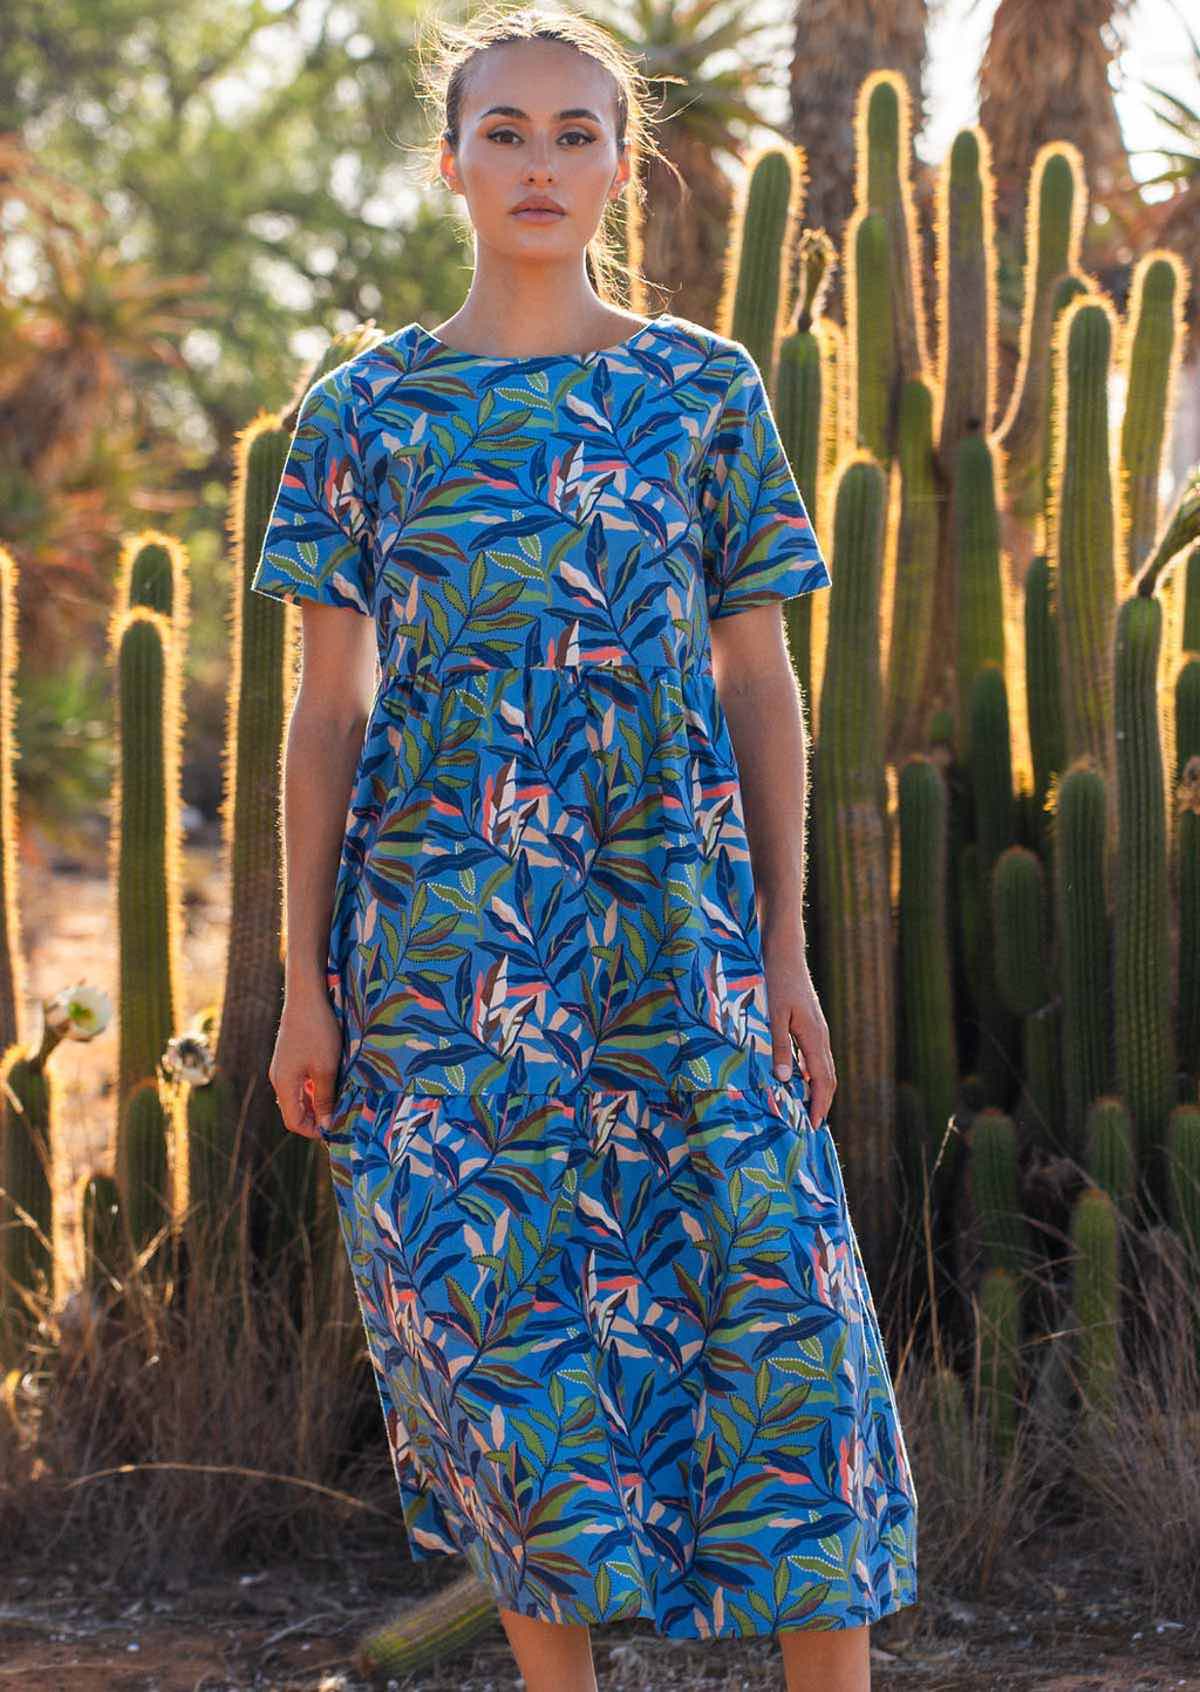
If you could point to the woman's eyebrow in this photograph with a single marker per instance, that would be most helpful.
(515, 111)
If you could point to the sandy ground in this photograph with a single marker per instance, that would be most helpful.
(1073, 1627)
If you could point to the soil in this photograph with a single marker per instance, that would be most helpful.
(1075, 1626)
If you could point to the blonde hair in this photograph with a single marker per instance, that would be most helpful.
(444, 52)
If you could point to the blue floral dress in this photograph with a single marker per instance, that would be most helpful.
(625, 1347)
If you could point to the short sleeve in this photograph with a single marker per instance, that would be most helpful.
(759, 544)
(317, 543)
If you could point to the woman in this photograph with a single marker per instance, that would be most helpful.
(623, 1339)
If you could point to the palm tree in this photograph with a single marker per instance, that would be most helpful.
(702, 113)
(1045, 77)
(837, 43)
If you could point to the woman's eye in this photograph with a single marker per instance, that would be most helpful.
(583, 134)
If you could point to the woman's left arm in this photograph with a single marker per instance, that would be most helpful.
(762, 705)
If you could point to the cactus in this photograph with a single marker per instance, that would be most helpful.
(27, 1196)
(1109, 1154)
(1043, 693)
(1043, 1104)
(437, 1627)
(884, 186)
(913, 611)
(217, 1179)
(930, 1057)
(874, 362)
(1141, 929)
(1066, 289)
(991, 785)
(1082, 913)
(995, 1193)
(1019, 924)
(261, 690)
(12, 969)
(966, 264)
(100, 1228)
(761, 234)
(848, 785)
(1056, 215)
(144, 1168)
(1096, 1300)
(999, 1347)
(805, 403)
(1082, 527)
(979, 595)
(1148, 359)
(145, 865)
(152, 571)
(1183, 1186)
(1187, 854)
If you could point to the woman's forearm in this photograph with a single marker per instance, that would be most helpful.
(767, 727)
(318, 774)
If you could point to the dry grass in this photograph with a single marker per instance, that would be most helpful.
(183, 1417)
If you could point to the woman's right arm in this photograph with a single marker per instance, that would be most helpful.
(324, 739)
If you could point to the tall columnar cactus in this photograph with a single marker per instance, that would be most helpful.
(145, 1168)
(1145, 1046)
(979, 595)
(1081, 903)
(1043, 1107)
(999, 1361)
(966, 373)
(262, 682)
(913, 608)
(991, 787)
(995, 1193)
(12, 968)
(1082, 527)
(754, 289)
(1183, 1172)
(145, 864)
(27, 1105)
(1055, 219)
(102, 1241)
(883, 185)
(1043, 692)
(1019, 923)
(1186, 788)
(1109, 1153)
(805, 403)
(869, 303)
(849, 807)
(152, 571)
(926, 986)
(1096, 1300)
(1148, 358)
(1066, 289)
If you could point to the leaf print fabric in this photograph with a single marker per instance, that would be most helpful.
(624, 1343)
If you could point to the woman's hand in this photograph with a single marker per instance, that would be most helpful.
(796, 1011)
(304, 1065)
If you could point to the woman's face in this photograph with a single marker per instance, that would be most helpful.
(537, 117)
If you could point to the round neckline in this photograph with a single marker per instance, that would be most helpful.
(543, 358)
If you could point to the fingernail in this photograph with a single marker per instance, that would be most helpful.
(782, 1070)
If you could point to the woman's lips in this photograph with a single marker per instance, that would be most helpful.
(537, 214)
